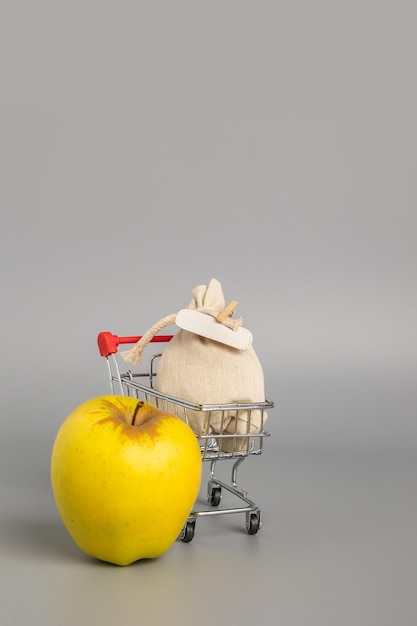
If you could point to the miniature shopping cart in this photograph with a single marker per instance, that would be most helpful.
(141, 385)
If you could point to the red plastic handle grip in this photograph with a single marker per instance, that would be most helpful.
(108, 343)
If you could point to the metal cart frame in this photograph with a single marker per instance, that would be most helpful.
(140, 385)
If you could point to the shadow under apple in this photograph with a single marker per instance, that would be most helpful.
(40, 539)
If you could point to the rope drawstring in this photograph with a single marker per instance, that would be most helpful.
(212, 305)
(134, 355)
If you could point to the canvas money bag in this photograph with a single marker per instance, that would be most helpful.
(205, 369)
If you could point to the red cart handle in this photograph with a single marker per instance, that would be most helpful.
(107, 342)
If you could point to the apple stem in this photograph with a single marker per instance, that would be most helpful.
(135, 412)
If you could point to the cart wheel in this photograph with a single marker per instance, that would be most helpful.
(187, 533)
(253, 524)
(215, 496)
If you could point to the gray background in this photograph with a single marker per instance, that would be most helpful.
(146, 148)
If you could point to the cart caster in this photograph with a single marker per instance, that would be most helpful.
(187, 533)
(214, 496)
(253, 523)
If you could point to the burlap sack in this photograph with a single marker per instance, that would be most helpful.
(203, 371)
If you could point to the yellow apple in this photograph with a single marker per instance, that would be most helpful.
(125, 476)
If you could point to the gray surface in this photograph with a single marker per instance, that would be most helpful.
(146, 149)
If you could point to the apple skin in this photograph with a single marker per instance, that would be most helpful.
(124, 491)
